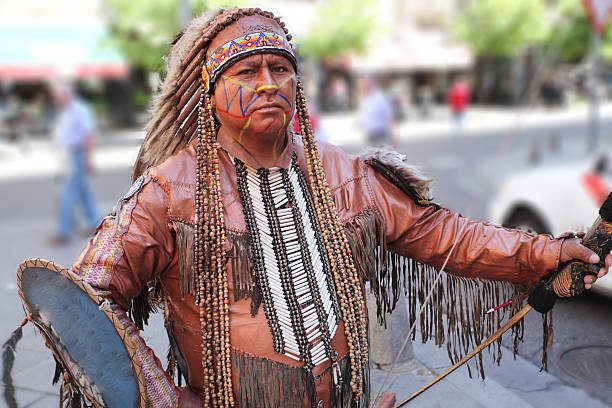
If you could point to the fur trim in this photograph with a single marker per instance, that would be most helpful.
(395, 161)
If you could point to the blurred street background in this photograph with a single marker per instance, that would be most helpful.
(506, 104)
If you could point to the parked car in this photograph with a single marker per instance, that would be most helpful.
(553, 199)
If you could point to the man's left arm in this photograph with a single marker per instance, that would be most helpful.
(426, 232)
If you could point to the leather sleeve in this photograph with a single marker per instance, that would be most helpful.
(427, 233)
(129, 249)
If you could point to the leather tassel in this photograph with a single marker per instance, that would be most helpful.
(266, 383)
(547, 337)
(456, 313)
(184, 248)
(245, 284)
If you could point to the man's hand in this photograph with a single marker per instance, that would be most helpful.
(572, 249)
(386, 401)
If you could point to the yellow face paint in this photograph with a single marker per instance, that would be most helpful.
(245, 127)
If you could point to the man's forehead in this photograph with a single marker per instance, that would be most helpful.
(245, 25)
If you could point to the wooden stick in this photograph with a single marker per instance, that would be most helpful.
(526, 309)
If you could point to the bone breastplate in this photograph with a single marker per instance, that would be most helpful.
(290, 262)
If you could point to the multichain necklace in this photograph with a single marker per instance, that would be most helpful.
(294, 276)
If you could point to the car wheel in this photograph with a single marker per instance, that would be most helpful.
(527, 222)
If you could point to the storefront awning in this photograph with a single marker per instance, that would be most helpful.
(46, 53)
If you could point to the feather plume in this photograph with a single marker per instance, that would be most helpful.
(164, 135)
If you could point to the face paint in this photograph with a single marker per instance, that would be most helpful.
(240, 96)
(243, 87)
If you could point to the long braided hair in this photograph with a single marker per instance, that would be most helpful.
(184, 110)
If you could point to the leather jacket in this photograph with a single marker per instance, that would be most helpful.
(139, 244)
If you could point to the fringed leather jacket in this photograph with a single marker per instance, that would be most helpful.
(144, 249)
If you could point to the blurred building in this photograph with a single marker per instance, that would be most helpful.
(412, 53)
(43, 42)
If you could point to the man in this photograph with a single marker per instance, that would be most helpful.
(261, 243)
(75, 135)
(376, 114)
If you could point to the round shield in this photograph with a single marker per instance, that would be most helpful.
(88, 341)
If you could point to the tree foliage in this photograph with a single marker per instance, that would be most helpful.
(570, 38)
(143, 29)
(501, 28)
(343, 25)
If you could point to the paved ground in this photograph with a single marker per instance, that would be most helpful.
(517, 383)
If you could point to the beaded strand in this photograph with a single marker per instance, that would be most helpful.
(348, 282)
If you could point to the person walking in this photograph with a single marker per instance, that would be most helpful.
(75, 136)
(376, 114)
(458, 100)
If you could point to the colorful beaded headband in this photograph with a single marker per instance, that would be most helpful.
(239, 48)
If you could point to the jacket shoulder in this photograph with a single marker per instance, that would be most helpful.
(178, 169)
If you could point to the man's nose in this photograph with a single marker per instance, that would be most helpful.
(265, 82)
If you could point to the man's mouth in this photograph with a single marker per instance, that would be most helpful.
(268, 107)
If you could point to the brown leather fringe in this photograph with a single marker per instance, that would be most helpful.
(547, 338)
(456, 313)
(341, 393)
(268, 384)
(184, 248)
(245, 284)
(238, 256)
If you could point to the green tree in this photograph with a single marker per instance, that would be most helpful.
(497, 31)
(143, 29)
(571, 36)
(501, 28)
(343, 25)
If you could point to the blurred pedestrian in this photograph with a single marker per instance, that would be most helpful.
(376, 114)
(459, 95)
(315, 121)
(75, 136)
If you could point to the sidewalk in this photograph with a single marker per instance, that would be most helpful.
(515, 383)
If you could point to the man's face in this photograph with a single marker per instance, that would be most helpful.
(255, 97)
(61, 97)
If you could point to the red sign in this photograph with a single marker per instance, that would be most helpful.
(599, 12)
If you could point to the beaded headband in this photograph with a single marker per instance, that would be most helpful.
(242, 47)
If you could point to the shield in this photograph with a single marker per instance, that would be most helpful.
(86, 339)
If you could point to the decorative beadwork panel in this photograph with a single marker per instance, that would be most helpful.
(297, 290)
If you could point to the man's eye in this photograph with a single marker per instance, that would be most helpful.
(280, 68)
(245, 72)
